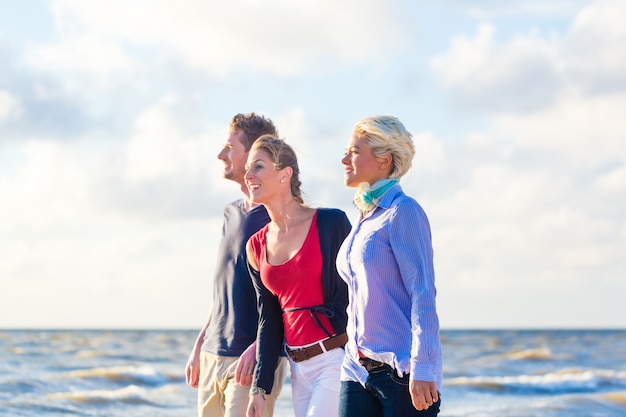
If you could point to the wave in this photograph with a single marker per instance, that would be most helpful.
(618, 397)
(533, 354)
(564, 381)
(137, 374)
(130, 394)
(87, 354)
(530, 354)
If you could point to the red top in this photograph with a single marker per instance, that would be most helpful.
(296, 283)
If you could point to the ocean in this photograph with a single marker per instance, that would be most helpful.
(134, 373)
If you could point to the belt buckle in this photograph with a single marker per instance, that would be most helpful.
(370, 364)
(303, 354)
(299, 355)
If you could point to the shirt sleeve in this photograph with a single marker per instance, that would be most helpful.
(411, 244)
(270, 333)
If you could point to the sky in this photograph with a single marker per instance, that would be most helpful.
(112, 114)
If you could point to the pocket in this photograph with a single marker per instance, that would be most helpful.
(404, 381)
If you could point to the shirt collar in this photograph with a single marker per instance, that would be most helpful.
(387, 199)
(389, 196)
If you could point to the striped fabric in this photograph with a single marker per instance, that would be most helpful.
(387, 262)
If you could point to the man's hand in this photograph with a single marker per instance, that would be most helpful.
(245, 366)
(423, 394)
(192, 370)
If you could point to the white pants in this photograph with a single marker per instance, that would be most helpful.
(315, 384)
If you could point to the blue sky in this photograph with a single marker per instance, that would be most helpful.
(112, 114)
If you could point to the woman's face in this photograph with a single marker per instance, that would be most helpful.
(360, 163)
(262, 178)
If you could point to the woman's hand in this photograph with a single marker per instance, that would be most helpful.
(245, 366)
(423, 394)
(256, 404)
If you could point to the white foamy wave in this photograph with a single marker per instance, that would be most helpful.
(132, 393)
(89, 354)
(567, 380)
(140, 374)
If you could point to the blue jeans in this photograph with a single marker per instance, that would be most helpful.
(385, 395)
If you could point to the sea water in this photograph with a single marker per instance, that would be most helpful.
(133, 373)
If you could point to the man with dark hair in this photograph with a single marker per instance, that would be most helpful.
(222, 360)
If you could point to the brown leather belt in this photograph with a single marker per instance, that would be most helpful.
(299, 355)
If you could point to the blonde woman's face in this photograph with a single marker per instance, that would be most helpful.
(360, 164)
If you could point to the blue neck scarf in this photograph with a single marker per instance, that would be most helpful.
(367, 197)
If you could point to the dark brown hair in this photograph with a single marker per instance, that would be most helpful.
(252, 125)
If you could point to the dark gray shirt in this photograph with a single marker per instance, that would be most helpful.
(234, 315)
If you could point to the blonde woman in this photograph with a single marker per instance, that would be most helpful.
(392, 365)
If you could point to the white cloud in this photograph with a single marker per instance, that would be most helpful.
(529, 71)
(277, 36)
(537, 197)
(522, 229)
(10, 106)
(159, 147)
(535, 202)
(595, 49)
(577, 133)
(614, 181)
(35, 184)
(483, 73)
(61, 238)
(429, 153)
(105, 62)
(162, 169)
(488, 8)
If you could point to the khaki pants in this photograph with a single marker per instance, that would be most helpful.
(220, 396)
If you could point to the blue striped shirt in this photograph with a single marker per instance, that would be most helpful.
(387, 262)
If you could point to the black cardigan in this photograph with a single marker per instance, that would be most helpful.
(333, 226)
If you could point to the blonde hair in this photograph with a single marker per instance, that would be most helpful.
(282, 155)
(387, 135)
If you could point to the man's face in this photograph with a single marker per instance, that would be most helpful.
(234, 156)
